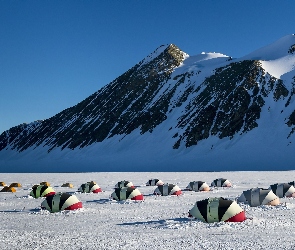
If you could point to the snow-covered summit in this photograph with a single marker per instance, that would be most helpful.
(278, 58)
(204, 60)
(273, 51)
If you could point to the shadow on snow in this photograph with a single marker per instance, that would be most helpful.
(160, 222)
(101, 201)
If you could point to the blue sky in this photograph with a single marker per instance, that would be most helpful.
(54, 54)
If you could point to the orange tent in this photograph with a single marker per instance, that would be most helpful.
(70, 185)
(15, 184)
(45, 183)
(8, 189)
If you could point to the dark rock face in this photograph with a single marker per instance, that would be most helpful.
(292, 49)
(226, 103)
(125, 104)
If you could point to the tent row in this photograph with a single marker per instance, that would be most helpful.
(209, 210)
(220, 182)
(55, 202)
(10, 188)
(90, 186)
(260, 196)
(219, 209)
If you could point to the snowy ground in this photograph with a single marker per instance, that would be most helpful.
(158, 222)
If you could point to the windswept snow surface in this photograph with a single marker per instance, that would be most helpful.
(204, 60)
(159, 222)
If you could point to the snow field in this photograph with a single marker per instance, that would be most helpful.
(158, 221)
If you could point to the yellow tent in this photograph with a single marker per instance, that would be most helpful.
(15, 184)
(45, 183)
(70, 185)
(8, 189)
(2, 183)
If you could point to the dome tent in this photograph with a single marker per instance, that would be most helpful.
(259, 196)
(198, 186)
(41, 191)
(70, 185)
(221, 182)
(45, 183)
(283, 190)
(2, 183)
(124, 183)
(8, 189)
(167, 189)
(125, 193)
(61, 201)
(15, 184)
(154, 182)
(89, 187)
(217, 209)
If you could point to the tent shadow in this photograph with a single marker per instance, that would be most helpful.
(155, 222)
(35, 210)
(101, 201)
(72, 192)
(151, 195)
(11, 211)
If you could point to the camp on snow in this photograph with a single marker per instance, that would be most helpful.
(283, 190)
(259, 196)
(217, 209)
(167, 189)
(198, 186)
(125, 193)
(61, 201)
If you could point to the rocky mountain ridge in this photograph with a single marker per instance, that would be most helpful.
(191, 102)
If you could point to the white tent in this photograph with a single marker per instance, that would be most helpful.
(125, 193)
(168, 189)
(217, 209)
(198, 186)
(259, 196)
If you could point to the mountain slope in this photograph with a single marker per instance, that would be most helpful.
(172, 112)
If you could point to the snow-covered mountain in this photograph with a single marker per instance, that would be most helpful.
(172, 112)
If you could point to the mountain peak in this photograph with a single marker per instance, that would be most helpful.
(168, 50)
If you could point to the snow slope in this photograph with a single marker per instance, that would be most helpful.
(275, 58)
(159, 222)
